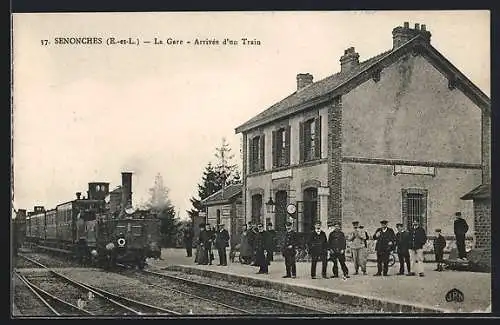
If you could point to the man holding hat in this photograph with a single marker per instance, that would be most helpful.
(386, 239)
(289, 251)
(337, 244)
(318, 248)
(357, 240)
(221, 242)
(460, 227)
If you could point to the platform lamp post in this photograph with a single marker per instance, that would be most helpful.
(270, 205)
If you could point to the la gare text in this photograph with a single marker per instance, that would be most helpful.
(116, 41)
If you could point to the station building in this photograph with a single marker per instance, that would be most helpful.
(400, 136)
(226, 207)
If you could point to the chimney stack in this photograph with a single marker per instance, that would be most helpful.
(303, 80)
(401, 35)
(78, 195)
(126, 190)
(21, 215)
(349, 60)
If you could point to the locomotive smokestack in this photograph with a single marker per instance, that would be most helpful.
(78, 195)
(126, 190)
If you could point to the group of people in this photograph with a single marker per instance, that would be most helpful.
(258, 245)
(208, 239)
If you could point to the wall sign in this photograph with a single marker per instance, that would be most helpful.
(414, 170)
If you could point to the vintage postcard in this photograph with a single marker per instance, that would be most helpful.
(236, 164)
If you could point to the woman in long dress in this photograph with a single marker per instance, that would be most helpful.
(245, 248)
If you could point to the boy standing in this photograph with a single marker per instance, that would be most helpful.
(439, 245)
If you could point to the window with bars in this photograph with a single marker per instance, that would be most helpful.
(310, 139)
(414, 207)
(281, 147)
(256, 154)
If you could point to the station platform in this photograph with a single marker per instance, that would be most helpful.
(393, 294)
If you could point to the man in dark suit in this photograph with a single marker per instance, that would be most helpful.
(188, 239)
(460, 228)
(221, 242)
(402, 246)
(271, 237)
(386, 240)
(337, 245)
(418, 238)
(318, 246)
(260, 250)
(289, 251)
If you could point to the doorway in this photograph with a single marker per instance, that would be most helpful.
(310, 214)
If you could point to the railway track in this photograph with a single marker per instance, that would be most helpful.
(242, 302)
(100, 301)
(43, 303)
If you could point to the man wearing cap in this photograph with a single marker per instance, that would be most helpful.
(357, 239)
(439, 245)
(221, 242)
(260, 250)
(337, 245)
(289, 251)
(329, 228)
(418, 238)
(386, 239)
(318, 246)
(460, 228)
(403, 248)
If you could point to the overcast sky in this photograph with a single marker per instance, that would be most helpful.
(86, 113)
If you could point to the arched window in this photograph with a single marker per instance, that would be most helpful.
(256, 208)
(217, 220)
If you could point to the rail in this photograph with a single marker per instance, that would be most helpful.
(130, 305)
(57, 303)
(233, 294)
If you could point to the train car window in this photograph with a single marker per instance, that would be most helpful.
(137, 231)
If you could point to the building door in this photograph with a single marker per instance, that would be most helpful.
(280, 214)
(256, 208)
(217, 219)
(310, 212)
(414, 207)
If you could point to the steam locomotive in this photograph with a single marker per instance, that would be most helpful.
(102, 229)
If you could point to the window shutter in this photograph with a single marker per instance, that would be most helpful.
(317, 138)
(275, 148)
(262, 152)
(287, 145)
(250, 157)
(301, 141)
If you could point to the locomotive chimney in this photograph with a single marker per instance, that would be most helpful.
(126, 190)
(21, 215)
(78, 195)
